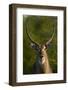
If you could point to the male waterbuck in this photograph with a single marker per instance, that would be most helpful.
(41, 64)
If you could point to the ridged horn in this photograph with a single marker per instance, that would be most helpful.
(50, 38)
(30, 37)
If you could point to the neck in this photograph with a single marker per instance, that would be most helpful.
(45, 62)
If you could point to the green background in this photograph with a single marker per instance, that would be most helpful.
(40, 29)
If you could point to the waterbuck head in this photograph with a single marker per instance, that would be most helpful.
(40, 49)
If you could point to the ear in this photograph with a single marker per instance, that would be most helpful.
(35, 46)
(47, 46)
(32, 45)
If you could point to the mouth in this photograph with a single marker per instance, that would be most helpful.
(43, 61)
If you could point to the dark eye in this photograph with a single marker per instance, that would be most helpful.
(46, 46)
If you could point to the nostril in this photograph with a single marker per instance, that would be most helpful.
(41, 56)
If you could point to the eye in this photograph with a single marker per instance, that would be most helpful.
(45, 46)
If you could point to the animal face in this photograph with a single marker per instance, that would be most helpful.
(39, 49)
(42, 54)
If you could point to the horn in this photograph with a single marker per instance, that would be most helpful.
(31, 38)
(50, 38)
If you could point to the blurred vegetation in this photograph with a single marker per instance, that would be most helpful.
(40, 29)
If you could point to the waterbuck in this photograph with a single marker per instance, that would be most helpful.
(41, 64)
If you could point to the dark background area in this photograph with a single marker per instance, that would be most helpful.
(40, 29)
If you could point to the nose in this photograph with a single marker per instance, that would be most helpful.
(41, 56)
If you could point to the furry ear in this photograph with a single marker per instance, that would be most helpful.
(47, 46)
(32, 45)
